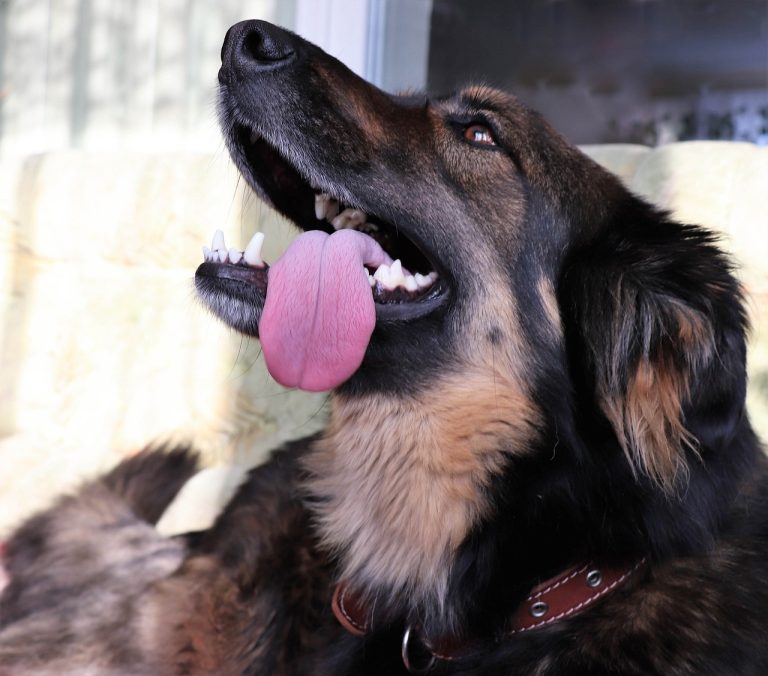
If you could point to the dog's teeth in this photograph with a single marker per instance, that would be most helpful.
(252, 253)
(321, 200)
(223, 255)
(396, 276)
(423, 281)
(218, 241)
(321, 205)
(349, 218)
(371, 280)
(326, 207)
(393, 276)
(206, 253)
(382, 275)
(235, 255)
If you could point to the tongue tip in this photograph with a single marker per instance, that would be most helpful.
(309, 379)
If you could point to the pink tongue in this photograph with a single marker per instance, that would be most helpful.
(319, 313)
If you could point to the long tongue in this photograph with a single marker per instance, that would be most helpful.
(319, 313)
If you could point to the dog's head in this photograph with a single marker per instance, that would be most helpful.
(566, 352)
(525, 263)
(441, 186)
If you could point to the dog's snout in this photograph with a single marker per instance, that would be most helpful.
(254, 46)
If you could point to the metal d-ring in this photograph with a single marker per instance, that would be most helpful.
(413, 669)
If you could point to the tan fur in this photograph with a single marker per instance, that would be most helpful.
(649, 424)
(549, 303)
(647, 413)
(694, 332)
(405, 477)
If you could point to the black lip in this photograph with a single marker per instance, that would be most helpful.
(236, 273)
(237, 279)
(234, 293)
(392, 312)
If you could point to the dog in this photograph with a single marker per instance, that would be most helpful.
(538, 459)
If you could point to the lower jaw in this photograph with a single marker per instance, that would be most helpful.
(406, 311)
(255, 279)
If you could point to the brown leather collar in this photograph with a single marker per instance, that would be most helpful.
(568, 594)
(561, 597)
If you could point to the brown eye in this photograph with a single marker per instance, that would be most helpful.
(477, 133)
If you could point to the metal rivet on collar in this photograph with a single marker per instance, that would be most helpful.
(538, 609)
(594, 578)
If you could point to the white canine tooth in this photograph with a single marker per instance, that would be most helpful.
(410, 284)
(432, 277)
(252, 253)
(235, 256)
(371, 280)
(218, 241)
(396, 276)
(223, 255)
(206, 253)
(322, 201)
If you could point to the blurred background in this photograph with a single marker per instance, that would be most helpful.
(113, 175)
(140, 74)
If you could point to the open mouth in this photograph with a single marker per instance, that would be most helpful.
(391, 282)
(315, 308)
(405, 283)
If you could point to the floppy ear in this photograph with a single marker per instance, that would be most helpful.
(656, 331)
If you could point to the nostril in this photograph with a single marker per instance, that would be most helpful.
(261, 46)
(253, 46)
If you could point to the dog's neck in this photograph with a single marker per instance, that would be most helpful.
(400, 482)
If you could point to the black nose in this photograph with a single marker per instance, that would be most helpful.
(251, 46)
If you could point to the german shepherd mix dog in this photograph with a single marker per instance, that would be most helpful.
(538, 459)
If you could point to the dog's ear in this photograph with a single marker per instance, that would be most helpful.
(654, 328)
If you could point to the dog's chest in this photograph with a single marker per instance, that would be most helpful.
(401, 483)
